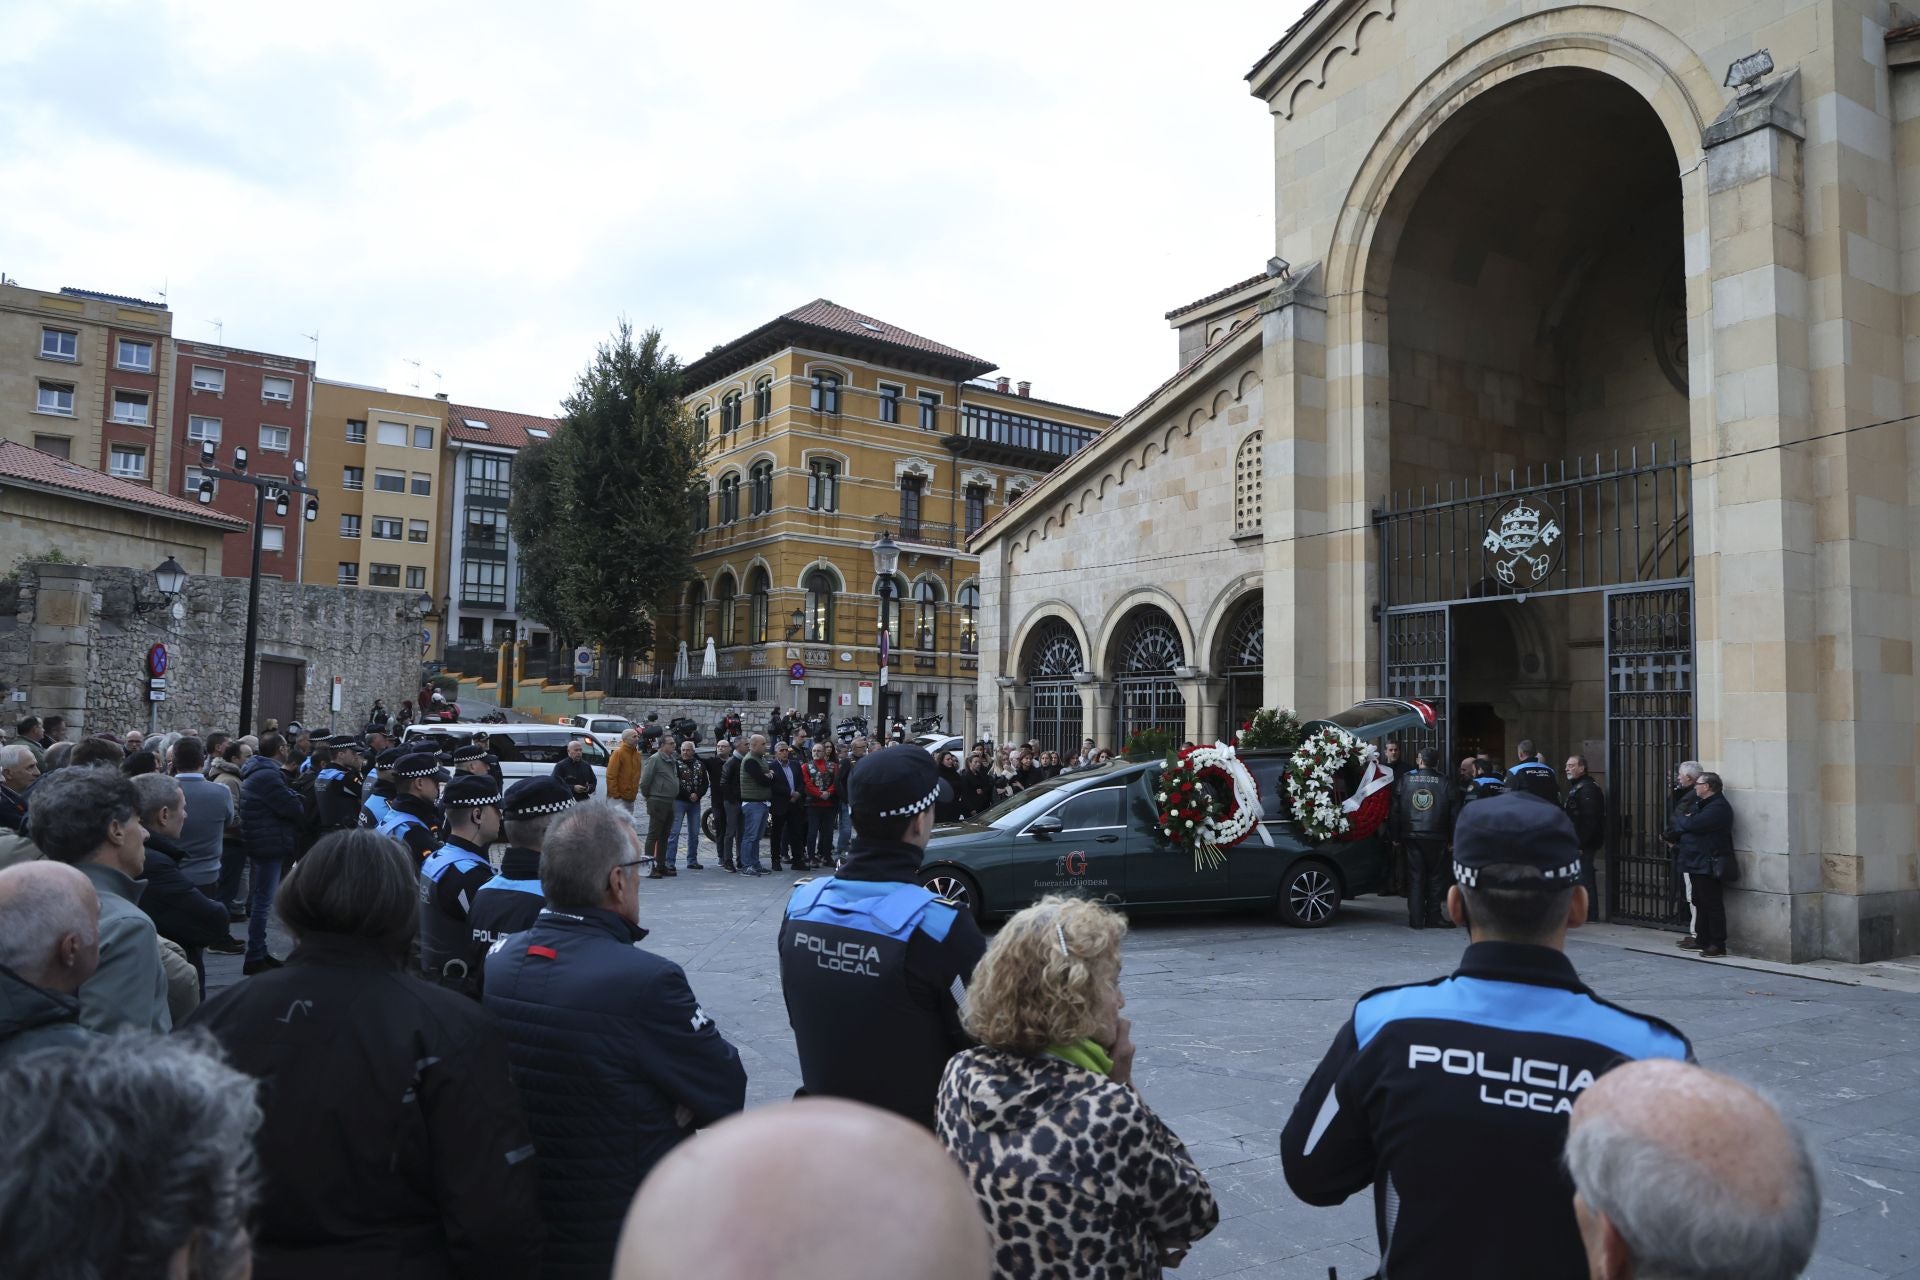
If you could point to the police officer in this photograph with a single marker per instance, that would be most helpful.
(1532, 776)
(469, 758)
(1422, 822)
(377, 797)
(874, 967)
(414, 816)
(1466, 1082)
(508, 902)
(450, 877)
(1486, 782)
(336, 788)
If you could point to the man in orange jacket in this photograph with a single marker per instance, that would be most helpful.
(623, 769)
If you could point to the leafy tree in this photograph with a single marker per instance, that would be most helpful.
(600, 510)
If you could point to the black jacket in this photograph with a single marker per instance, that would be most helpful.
(726, 790)
(179, 910)
(949, 810)
(1681, 801)
(609, 1049)
(976, 792)
(271, 814)
(505, 905)
(1422, 806)
(449, 879)
(1706, 836)
(393, 1143)
(1586, 806)
(337, 798)
(1450, 1099)
(1536, 779)
(34, 1018)
(13, 809)
(577, 773)
(875, 1002)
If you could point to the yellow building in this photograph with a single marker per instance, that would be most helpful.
(827, 429)
(374, 455)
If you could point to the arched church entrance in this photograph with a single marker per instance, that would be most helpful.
(1535, 563)
(1054, 714)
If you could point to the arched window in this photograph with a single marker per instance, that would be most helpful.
(926, 615)
(823, 485)
(763, 399)
(1246, 485)
(730, 413)
(724, 598)
(969, 601)
(1053, 656)
(729, 497)
(697, 500)
(759, 588)
(819, 585)
(760, 486)
(1144, 655)
(696, 632)
(1242, 659)
(700, 422)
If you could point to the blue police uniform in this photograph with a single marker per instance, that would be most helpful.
(414, 823)
(505, 905)
(449, 880)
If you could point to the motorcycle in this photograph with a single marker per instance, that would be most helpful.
(683, 728)
(929, 724)
(850, 728)
(494, 717)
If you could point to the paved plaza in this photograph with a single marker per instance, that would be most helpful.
(1232, 1014)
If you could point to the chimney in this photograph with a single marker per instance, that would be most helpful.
(1026, 389)
(1000, 385)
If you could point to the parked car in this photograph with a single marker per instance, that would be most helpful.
(935, 743)
(1094, 834)
(606, 730)
(524, 750)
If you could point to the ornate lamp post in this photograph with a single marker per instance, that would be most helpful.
(886, 558)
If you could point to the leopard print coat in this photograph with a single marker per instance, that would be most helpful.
(1078, 1179)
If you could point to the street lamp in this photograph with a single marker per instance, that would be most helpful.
(170, 577)
(796, 620)
(886, 558)
(265, 489)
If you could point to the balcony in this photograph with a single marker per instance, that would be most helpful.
(916, 532)
(1012, 439)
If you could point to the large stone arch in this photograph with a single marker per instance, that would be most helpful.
(1116, 616)
(1224, 607)
(1039, 614)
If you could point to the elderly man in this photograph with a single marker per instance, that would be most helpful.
(575, 772)
(684, 1222)
(660, 789)
(178, 910)
(33, 736)
(623, 769)
(49, 947)
(146, 1145)
(1688, 1175)
(753, 783)
(18, 771)
(615, 1060)
(1682, 800)
(89, 818)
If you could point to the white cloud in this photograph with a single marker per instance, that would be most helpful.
(486, 188)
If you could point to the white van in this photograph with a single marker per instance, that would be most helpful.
(524, 750)
(605, 729)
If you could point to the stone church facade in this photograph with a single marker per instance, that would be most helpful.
(1576, 401)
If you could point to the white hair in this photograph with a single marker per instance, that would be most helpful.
(1692, 768)
(1680, 1221)
(42, 902)
(14, 754)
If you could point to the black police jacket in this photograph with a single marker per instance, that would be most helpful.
(395, 1144)
(449, 879)
(505, 905)
(874, 969)
(337, 798)
(616, 1063)
(1536, 779)
(1450, 1098)
(1586, 807)
(1423, 806)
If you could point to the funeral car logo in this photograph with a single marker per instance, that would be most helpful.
(1520, 540)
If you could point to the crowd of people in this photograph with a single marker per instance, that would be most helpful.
(470, 1064)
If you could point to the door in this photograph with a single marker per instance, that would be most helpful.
(1649, 732)
(279, 691)
(1415, 651)
(819, 702)
(1086, 856)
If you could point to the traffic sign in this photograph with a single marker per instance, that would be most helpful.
(582, 661)
(157, 660)
(156, 682)
(156, 695)
(797, 673)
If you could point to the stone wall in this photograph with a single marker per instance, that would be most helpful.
(76, 642)
(705, 712)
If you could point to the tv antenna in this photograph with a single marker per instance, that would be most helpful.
(219, 330)
(314, 338)
(416, 373)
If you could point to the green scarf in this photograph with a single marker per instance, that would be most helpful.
(1084, 1052)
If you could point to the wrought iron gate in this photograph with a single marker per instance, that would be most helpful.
(1650, 706)
(1055, 716)
(1418, 654)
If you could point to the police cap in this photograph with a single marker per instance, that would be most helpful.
(420, 764)
(897, 782)
(339, 742)
(470, 791)
(472, 751)
(531, 797)
(390, 757)
(1516, 829)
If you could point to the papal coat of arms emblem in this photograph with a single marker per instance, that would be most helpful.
(1520, 538)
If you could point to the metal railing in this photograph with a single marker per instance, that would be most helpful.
(921, 532)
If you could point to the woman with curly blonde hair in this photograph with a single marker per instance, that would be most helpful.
(1076, 1175)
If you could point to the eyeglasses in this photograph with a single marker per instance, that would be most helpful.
(637, 862)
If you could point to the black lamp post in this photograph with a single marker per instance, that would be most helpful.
(280, 493)
(886, 558)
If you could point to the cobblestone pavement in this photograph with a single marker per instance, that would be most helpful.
(1233, 1013)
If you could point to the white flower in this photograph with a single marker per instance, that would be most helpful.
(1189, 822)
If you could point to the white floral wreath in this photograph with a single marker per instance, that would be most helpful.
(1310, 774)
(1233, 821)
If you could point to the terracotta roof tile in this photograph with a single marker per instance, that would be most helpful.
(831, 315)
(1216, 295)
(508, 430)
(30, 466)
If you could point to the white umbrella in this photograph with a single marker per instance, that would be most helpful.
(710, 663)
(680, 663)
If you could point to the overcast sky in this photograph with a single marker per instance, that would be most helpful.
(486, 188)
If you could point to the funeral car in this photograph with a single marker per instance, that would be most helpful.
(1095, 833)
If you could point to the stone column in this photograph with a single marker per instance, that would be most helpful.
(1204, 713)
(62, 643)
(1753, 556)
(1294, 420)
(1096, 711)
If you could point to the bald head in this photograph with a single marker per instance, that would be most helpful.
(49, 925)
(1681, 1172)
(686, 1219)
